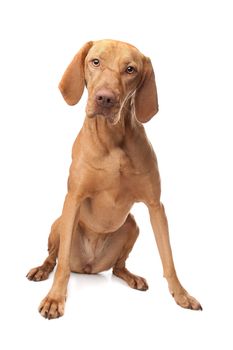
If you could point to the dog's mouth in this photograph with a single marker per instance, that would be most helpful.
(111, 114)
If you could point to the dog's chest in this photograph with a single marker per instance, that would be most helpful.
(112, 178)
(118, 164)
(116, 179)
(111, 194)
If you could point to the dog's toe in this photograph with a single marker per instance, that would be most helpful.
(38, 274)
(138, 283)
(51, 308)
(187, 301)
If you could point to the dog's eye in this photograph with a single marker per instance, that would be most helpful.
(130, 70)
(96, 62)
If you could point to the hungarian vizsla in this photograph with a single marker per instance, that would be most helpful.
(113, 167)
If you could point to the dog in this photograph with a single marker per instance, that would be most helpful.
(113, 167)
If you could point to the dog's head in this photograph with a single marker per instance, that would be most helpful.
(116, 75)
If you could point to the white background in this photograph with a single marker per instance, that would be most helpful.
(190, 45)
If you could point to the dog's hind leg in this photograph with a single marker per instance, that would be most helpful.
(42, 272)
(131, 232)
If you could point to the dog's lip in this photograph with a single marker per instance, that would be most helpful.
(92, 107)
(110, 118)
(104, 112)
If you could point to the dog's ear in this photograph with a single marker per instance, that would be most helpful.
(146, 99)
(73, 80)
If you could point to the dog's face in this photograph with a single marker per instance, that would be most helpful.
(117, 76)
(113, 71)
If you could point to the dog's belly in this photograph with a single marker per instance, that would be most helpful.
(106, 212)
(89, 252)
(93, 252)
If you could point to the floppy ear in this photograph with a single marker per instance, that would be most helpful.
(73, 80)
(146, 100)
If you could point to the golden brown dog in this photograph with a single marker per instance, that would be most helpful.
(113, 166)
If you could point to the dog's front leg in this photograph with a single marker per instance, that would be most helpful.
(52, 306)
(160, 228)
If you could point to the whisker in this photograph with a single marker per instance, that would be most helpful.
(131, 93)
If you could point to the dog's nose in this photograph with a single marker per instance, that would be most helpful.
(105, 98)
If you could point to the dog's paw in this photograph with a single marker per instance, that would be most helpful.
(132, 280)
(38, 274)
(186, 301)
(138, 283)
(51, 308)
